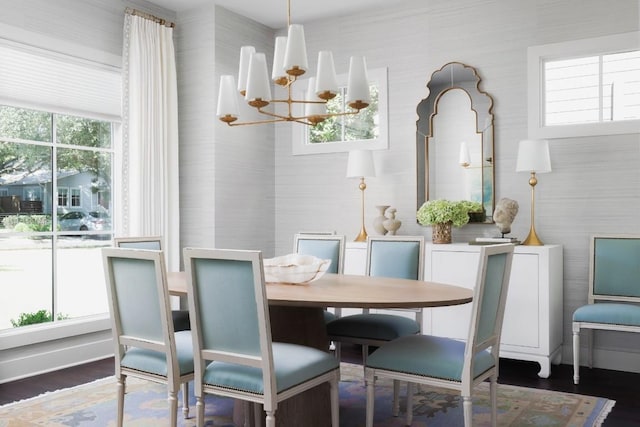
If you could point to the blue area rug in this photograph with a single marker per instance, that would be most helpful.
(94, 405)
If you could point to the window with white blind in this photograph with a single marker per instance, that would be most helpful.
(585, 87)
(59, 125)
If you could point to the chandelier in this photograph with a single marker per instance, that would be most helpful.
(289, 63)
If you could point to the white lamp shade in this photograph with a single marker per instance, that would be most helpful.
(278, 58)
(326, 80)
(358, 89)
(314, 109)
(296, 53)
(465, 157)
(227, 97)
(243, 71)
(533, 156)
(360, 164)
(258, 83)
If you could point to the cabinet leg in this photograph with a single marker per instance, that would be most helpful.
(545, 368)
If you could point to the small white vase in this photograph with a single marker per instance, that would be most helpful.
(378, 221)
(391, 224)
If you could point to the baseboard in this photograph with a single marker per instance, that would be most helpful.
(38, 350)
(615, 360)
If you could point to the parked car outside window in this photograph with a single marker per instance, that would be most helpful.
(82, 221)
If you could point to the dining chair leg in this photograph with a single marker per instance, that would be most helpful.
(173, 408)
(335, 401)
(199, 411)
(590, 346)
(493, 391)
(120, 390)
(395, 410)
(467, 407)
(338, 351)
(410, 392)
(365, 353)
(257, 415)
(370, 400)
(271, 419)
(185, 400)
(576, 355)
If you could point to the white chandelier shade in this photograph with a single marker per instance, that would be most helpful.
(295, 57)
(289, 63)
(245, 56)
(258, 85)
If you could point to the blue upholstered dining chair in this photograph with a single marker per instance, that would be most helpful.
(446, 362)
(146, 345)
(387, 256)
(234, 355)
(324, 246)
(154, 243)
(614, 292)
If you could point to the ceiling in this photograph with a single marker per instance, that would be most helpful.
(273, 13)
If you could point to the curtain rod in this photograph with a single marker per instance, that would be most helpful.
(136, 12)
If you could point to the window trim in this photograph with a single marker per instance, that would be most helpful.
(78, 194)
(536, 55)
(299, 133)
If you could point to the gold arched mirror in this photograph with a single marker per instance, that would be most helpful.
(454, 140)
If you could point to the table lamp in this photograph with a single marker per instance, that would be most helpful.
(533, 157)
(360, 165)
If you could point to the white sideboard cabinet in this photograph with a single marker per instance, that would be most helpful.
(532, 328)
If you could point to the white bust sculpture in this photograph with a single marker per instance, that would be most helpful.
(504, 214)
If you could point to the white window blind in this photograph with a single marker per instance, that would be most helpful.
(585, 87)
(39, 79)
(592, 89)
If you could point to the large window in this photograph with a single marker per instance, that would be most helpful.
(55, 211)
(585, 87)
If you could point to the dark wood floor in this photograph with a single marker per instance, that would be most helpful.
(623, 387)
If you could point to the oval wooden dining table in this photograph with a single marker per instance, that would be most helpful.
(296, 315)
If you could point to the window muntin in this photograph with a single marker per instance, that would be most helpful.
(32, 251)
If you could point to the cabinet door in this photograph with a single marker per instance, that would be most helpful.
(454, 268)
(522, 312)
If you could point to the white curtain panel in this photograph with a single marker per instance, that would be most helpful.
(148, 182)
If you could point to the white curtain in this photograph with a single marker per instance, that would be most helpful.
(148, 182)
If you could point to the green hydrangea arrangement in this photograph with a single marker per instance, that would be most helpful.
(442, 211)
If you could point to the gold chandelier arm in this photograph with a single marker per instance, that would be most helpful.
(257, 122)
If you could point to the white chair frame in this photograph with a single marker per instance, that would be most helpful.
(473, 346)
(595, 296)
(122, 342)
(418, 312)
(264, 361)
(328, 236)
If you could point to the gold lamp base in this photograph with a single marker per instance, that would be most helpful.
(532, 239)
(362, 236)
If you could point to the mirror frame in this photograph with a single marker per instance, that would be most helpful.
(481, 104)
